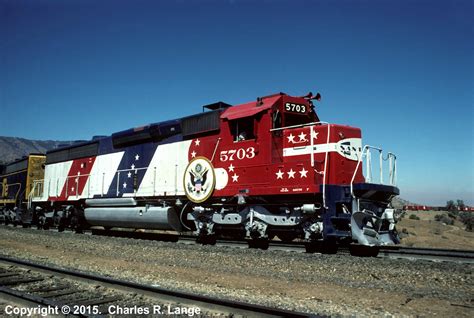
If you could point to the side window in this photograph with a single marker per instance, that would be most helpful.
(276, 118)
(242, 129)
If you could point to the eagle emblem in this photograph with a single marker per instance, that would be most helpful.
(199, 179)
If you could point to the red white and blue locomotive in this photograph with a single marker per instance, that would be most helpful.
(258, 170)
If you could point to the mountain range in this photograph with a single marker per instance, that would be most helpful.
(12, 148)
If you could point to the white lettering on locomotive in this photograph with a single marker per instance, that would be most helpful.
(296, 108)
(237, 154)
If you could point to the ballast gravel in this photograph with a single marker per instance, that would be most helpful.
(335, 285)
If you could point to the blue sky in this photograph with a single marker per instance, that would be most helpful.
(400, 70)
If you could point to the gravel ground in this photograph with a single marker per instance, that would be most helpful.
(337, 285)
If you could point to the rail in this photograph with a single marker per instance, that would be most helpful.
(367, 154)
(208, 304)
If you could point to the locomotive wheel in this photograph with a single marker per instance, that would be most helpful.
(206, 239)
(260, 243)
(323, 247)
(364, 251)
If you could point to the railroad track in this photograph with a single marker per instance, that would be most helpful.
(400, 252)
(433, 254)
(26, 285)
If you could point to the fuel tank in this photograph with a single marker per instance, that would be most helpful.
(139, 217)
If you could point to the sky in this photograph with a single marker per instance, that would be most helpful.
(402, 71)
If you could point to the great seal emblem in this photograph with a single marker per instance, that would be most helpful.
(199, 179)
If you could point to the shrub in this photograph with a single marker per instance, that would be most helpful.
(413, 217)
(443, 218)
(453, 214)
(468, 219)
(403, 233)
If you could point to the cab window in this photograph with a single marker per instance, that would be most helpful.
(276, 119)
(242, 129)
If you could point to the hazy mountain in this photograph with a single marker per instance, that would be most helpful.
(12, 148)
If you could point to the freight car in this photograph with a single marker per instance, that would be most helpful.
(16, 182)
(258, 170)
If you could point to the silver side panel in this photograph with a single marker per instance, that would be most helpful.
(158, 218)
(111, 202)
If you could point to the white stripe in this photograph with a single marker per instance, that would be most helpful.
(306, 150)
(166, 170)
(55, 176)
(350, 148)
(101, 176)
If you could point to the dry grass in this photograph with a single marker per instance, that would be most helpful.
(427, 232)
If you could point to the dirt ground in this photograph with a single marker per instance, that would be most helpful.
(335, 285)
(427, 232)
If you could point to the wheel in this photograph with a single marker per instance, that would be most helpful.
(260, 243)
(323, 247)
(364, 251)
(206, 239)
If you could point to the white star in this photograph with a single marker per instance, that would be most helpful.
(193, 154)
(279, 174)
(303, 173)
(231, 168)
(235, 178)
(137, 157)
(83, 165)
(302, 136)
(291, 174)
(129, 174)
(197, 142)
(132, 166)
(72, 189)
(314, 134)
(124, 185)
(291, 138)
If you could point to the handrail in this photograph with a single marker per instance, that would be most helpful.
(18, 191)
(311, 125)
(366, 152)
(117, 174)
(392, 162)
(31, 194)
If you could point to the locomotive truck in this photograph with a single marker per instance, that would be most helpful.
(267, 168)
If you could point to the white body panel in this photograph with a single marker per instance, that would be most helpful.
(164, 175)
(55, 176)
(102, 174)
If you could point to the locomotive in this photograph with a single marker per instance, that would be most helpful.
(264, 169)
(16, 182)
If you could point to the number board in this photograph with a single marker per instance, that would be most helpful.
(295, 108)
